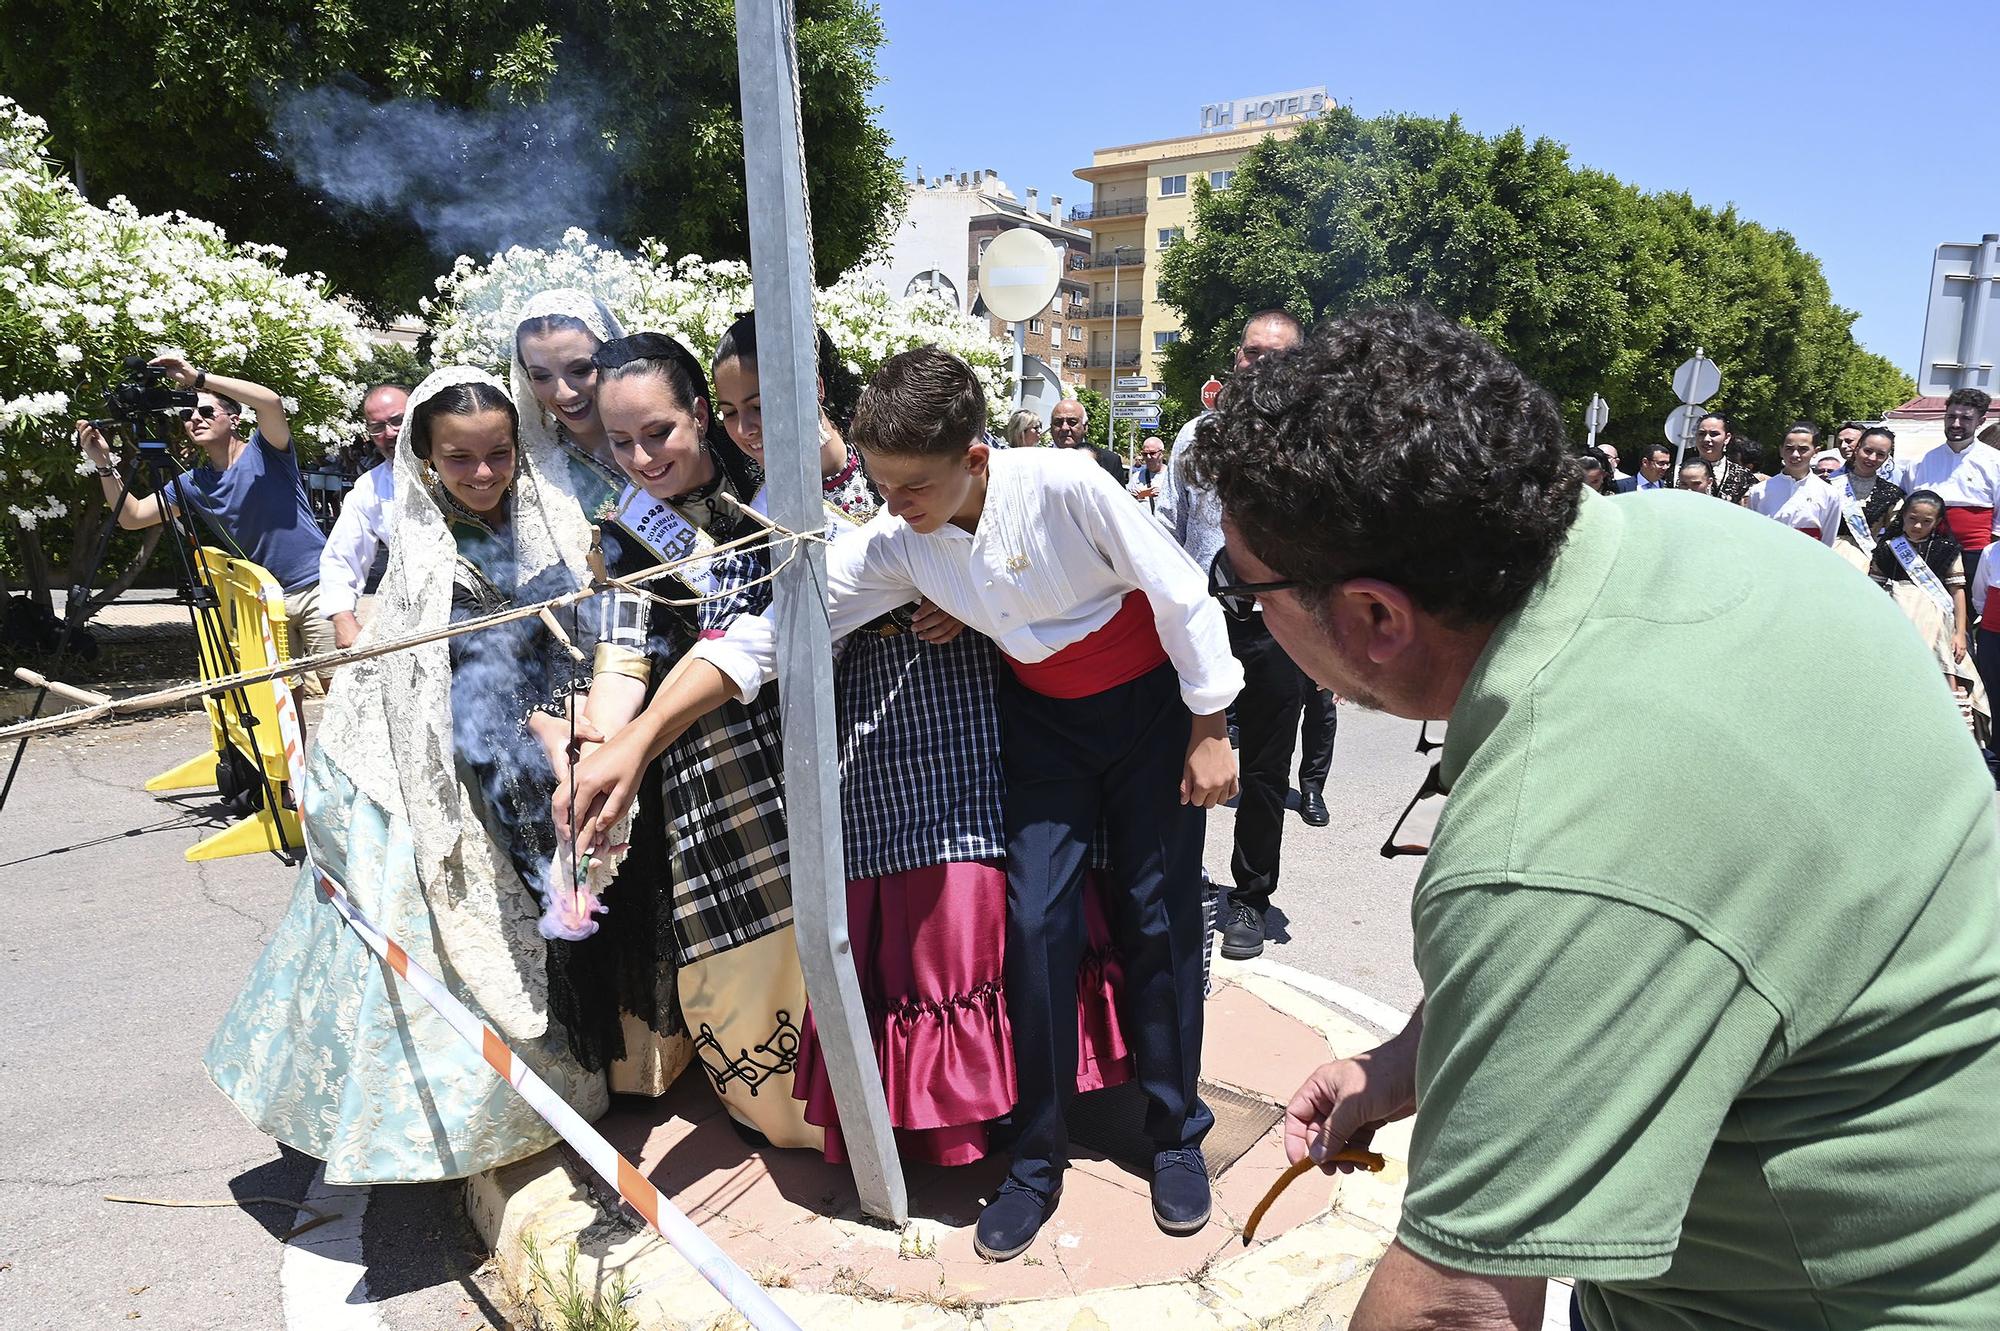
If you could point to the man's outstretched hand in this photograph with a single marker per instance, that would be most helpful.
(1343, 1102)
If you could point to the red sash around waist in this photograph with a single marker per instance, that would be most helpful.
(1989, 614)
(1126, 647)
(1810, 531)
(1972, 528)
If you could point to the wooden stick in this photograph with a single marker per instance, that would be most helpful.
(555, 628)
(70, 691)
(147, 702)
(1367, 1160)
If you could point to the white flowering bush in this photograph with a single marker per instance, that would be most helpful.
(83, 287)
(694, 301)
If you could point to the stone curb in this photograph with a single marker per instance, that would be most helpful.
(1309, 1277)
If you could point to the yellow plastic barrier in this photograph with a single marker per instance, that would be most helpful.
(251, 620)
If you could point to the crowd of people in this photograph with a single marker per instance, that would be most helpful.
(1918, 528)
(1637, 1049)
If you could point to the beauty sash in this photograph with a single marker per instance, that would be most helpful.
(1850, 510)
(669, 536)
(1921, 574)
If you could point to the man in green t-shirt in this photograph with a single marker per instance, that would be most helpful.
(1735, 1068)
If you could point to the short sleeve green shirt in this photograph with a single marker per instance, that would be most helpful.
(1710, 941)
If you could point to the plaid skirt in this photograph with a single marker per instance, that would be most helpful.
(722, 787)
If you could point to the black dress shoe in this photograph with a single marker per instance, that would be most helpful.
(1312, 809)
(1012, 1219)
(1243, 935)
(1180, 1190)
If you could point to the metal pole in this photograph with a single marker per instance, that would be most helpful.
(1112, 387)
(1020, 361)
(781, 261)
(1687, 428)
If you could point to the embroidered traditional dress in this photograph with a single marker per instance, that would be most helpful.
(324, 1049)
(925, 847)
(718, 920)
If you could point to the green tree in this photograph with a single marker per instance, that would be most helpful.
(1590, 284)
(176, 104)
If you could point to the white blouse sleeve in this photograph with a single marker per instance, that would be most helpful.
(1188, 619)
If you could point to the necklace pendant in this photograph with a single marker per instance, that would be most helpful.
(1017, 563)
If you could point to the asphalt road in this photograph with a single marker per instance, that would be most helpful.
(119, 958)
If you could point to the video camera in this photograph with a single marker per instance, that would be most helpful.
(145, 390)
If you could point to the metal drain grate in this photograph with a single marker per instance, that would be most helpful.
(1113, 1122)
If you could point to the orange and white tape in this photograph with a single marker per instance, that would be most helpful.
(731, 1281)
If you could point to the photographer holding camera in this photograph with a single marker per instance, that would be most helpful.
(249, 491)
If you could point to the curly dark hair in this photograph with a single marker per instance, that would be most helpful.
(1395, 444)
(1978, 399)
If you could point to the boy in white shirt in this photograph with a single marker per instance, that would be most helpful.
(1114, 707)
(1796, 497)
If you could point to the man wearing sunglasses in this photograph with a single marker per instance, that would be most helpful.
(367, 516)
(247, 494)
(1274, 693)
(1717, 1070)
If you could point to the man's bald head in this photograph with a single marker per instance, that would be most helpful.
(1267, 333)
(1067, 422)
(382, 416)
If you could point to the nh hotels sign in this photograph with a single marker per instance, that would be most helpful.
(1246, 111)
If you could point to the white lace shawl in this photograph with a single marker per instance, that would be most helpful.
(388, 723)
(538, 426)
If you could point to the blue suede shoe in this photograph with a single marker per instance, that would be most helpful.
(1180, 1190)
(1012, 1219)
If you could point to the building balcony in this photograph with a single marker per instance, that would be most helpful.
(1096, 212)
(1102, 360)
(1124, 309)
(1122, 257)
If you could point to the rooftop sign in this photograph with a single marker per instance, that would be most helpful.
(1247, 111)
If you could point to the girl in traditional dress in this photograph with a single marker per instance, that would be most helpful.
(925, 846)
(1920, 565)
(555, 389)
(726, 888)
(616, 989)
(323, 1049)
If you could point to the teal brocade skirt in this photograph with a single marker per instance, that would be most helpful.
(326, 1050)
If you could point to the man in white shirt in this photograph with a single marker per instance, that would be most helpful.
(1654, 464)
(1795, 496)
(1146, 478)
(1112, 706)
(1275, 691)
(367, 516)
(1965, 475)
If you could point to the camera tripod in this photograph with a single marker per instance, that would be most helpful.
(162, 470)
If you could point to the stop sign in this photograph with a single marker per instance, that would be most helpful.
(1209, 392)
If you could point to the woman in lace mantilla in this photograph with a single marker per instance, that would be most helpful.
(425, 796)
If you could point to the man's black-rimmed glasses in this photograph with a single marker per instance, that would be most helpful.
(1239, 599)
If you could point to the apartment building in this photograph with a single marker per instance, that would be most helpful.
(1141, 205)
(939, 246)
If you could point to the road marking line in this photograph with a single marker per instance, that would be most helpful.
(322, 1278)
(1371, 1010)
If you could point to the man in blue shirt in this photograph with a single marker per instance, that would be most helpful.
(247, 493)
(1653, 465)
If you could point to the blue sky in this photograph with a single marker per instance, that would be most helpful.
(1837, 122)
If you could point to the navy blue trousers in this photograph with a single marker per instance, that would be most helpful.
(1117, 755)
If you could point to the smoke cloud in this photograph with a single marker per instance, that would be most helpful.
(474, 181)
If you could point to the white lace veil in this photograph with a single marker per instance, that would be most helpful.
(538, 427)
(388, 723)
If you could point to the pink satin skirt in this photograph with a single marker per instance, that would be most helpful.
(929, 951)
